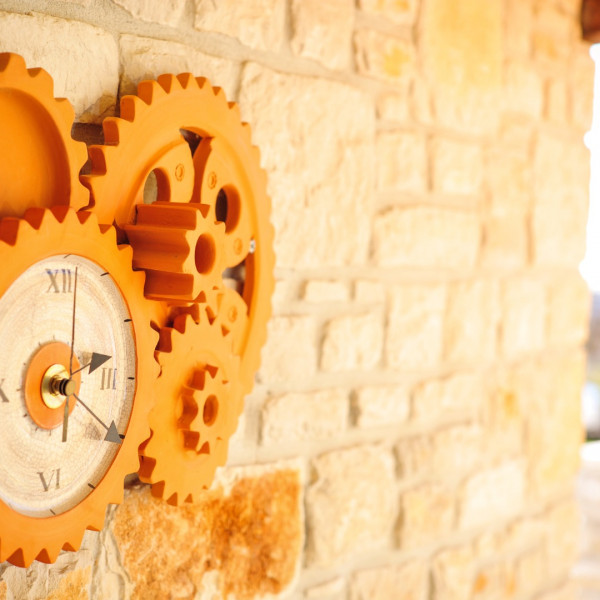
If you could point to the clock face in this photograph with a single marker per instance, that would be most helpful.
(66, 340)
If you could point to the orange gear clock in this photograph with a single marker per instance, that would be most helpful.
(129, 331)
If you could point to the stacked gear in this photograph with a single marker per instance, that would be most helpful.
(195, 266)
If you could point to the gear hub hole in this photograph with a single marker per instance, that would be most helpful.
(227, 207)
(210, 411)
(156, 187)
(205, 253)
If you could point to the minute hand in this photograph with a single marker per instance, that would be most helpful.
(112, 434)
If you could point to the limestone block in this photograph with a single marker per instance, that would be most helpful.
(517, 132)
(494, 581)
(530, 571)
(524, 314)
(492, 495)
(426, 237)
(428, 513)
(460, 394)
(402, 12)
(453, 573)
(458, 451)
(257, 23)
(457, 167)
(569, 309)
(509, 179)
(394, 106)
(517, 30)
(352, 342)
(82, 60)
(286, 292)
(562, 541)
(165, 13)
(298, 417)
(581, 73)
(243, 538)
(523, 89)
(317, 144)
(402, 163)
(379, 406)
(147, 58)
(335, 589)
(323, 31)
(568, 591)
(407, 581)
(557, 102)
(369, 292)
(553, 34)
(321, 291)
(561, 185)
(384, 57)
(471, 321)
(350, 503)
(290, 352)
(506, 243)
(415, 457)
(414, 336)
(461, 45)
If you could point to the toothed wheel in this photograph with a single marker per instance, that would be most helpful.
(197, 409)
(39, 160)
(77, 381)
(157, 132)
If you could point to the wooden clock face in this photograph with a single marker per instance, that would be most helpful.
(65, 336)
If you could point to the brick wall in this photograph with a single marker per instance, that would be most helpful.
(414, 430)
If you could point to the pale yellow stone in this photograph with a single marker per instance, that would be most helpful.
(524, 314)
(352, 342)
(523, 89)
(428, 514)
(563, 525)
(406, 581)
(394, 106)
(517, 133)
(285, 293)
(458, 451)
(166, 12)
(568, 591)
(335, 589)
(506, 242)
(321, 291)
(307, 171)
(569, 308)
(402, 162)
(82, 60)
(415, 457)
(415, 326)
(462, 48)
(369, 292)
(255, 23)
(384, 57)
(471, 321)
(403, 12)
(493, 581)
(310, 416)
(298, 360)
(457, 167)
(453, 573)
(147, 58)
(509, 178)
(553, 33)
(350, 503)
(381, 406)
(557, 102)
(517, 33)
(492, 495)
(323, 31)
(426, 237)
(582, 73)
(530, 571)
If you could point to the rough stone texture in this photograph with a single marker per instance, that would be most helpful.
(453, 574)
(244, 537)
(323, 31)
(326, 291)
(306, 170)
(408, 581)
(297, 417)
(166, 13)
(380, 406)
(553, 31)
(87, 76)
(383, 56)
(330, 590)
(426, 237)
(369, 292)
(415, 326)
(147, 58)
(523, 89)
(415, 457)
(569, 307)
(457, 167)
(403, 12)
(258, 24)
(352, 343)
(350, 503)
(462, 50)
(402, 163)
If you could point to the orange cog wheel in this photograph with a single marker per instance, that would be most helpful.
(42, 234)
(197, 409)
(39, 160)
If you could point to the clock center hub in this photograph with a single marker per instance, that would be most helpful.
(57, 386)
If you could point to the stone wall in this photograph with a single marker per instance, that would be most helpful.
(414, 430)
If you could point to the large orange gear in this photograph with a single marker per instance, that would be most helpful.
(41, 234)
(224, 178)
(197, 408)
(39, 160)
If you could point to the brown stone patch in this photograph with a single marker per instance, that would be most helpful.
(250, 535)
(72, 586)
(3, 588)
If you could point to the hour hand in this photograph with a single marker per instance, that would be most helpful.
(96, 361)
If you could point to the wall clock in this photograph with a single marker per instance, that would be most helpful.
(129, 331)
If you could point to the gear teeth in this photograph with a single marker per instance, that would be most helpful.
(11, 62)
(44, 81)
(131, 107)
(234, 108)
(97, 155)
(202, 83)
(10, 228)
(247, 130)
(170, 83)
(220, 95)
(149, 91)
(187, 81)
(68, 114)
(48, 555)
(115, 130)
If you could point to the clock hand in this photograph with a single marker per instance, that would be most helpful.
(97, 361)
(112, 434)
(66, 413)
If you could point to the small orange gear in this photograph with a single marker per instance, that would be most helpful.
(224, 178)
(39, 160)
(197, 409)
(40, 234)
